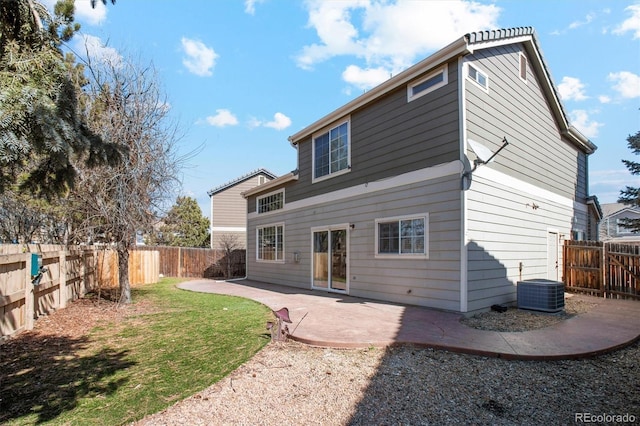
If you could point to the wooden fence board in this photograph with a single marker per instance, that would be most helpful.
(605, 269)
(70, 273)
(198, 262)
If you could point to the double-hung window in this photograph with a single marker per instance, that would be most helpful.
(270, 243)
(331, 151)
(405, 236)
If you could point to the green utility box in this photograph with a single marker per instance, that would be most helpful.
(36, 264)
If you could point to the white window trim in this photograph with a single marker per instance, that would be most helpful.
(526, 63)
(268, 195)
(270, 225)
(621, 230)
(326, 129)
(445, 80)
(474, 81)
(424, 255)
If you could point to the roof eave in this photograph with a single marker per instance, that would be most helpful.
(271, 184)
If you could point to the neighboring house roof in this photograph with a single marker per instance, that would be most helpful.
(240, 180)
(612, 209)
(464, 46)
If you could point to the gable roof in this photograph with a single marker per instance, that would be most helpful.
(612, 209)
(241, 179)
(466, 45)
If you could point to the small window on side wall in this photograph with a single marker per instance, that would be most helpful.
(523, 67)
(428, 84)
(478, 77)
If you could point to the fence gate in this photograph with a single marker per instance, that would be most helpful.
(603, 269)
(622, 272)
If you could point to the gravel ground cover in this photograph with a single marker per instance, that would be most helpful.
(290, 383)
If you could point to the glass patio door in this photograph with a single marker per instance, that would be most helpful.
(330, 259)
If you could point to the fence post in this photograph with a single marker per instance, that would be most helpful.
(179, 262)
(29, 295)
(605, 268)
(62, 288)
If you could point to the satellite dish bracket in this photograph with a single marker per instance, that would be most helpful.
(478, 161)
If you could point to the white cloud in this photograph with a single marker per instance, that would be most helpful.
(581, 120)
(250, 6)
(93, 48)
(587, 20)
(365, 78)
(626, 83)
(571, 89)
(392, 33)
(200, 59)
(630, 24)
(91, 15)
(279, 122)
(604, 99)
(223, 118)
(618, 177)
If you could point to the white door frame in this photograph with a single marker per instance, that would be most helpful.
(344, 227)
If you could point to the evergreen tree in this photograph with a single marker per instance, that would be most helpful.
(185, 226)
(42, 129)
(630, 195)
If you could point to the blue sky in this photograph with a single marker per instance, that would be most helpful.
(241, 76)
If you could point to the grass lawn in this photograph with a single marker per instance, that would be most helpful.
(181, 343)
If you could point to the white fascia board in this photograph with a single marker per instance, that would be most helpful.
(271, 184)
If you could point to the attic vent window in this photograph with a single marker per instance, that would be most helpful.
(478, 77)
(523, 68)
(427, 84)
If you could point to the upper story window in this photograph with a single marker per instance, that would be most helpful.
(477, 76)
(331, 151)
(402, 236)
(523, 67)
(270, 202)
(428, 84)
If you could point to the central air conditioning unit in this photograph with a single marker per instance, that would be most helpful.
(541, 295)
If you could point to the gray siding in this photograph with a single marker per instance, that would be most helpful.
(537, 153)
(433, 282)
(505, 231)
(228, 210)
(540, 185)
(391, 137)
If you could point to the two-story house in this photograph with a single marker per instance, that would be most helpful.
(611, 227)
(442, 187)
(229, 209)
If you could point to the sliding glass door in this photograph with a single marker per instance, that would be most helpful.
(330, 259)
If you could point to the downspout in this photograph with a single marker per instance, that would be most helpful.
(462, 108)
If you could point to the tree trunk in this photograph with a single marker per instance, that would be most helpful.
(123, 271)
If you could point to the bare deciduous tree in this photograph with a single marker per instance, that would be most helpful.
(229, 243)
(125, 105)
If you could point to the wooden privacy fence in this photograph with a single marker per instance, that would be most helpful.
(71, 272)
(199, 262)
(604, 269)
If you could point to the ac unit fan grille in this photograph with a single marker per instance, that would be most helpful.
(541, 295)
